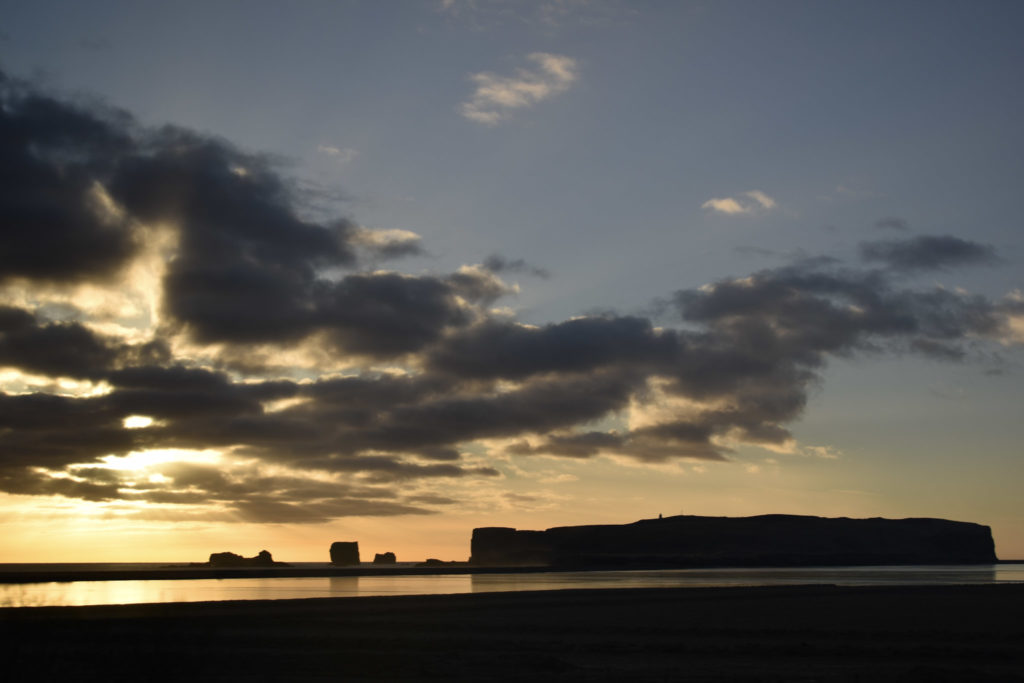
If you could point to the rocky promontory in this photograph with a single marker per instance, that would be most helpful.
(765, 541)
(262, 559)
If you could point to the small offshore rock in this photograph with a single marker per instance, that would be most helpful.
(345, 553)
(434, 562)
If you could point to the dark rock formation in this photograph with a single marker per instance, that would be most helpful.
(385, 558)
(766, 540)
(345, 553)
(263, 559)
(434, 562)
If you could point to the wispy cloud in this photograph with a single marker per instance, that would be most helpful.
(496, 97)
(745, 203)
(343, 155)
(388, 243)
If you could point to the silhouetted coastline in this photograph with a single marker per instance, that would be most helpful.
(681, 542)
(687, 541)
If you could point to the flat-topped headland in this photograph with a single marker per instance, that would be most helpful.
(761, 541)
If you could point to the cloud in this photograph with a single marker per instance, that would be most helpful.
(496, 97)
(66, 349)
(761, 198)
(928, 252)
(511, 350)
(343, 155)
(415, 384)
(499, 264)
(56, 226)
(746, 203)
(391, 243)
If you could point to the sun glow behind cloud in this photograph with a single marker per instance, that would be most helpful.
(141, 460)
(137, 422)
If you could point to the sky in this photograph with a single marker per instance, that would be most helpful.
(274, 275)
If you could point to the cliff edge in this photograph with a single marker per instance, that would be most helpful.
(765, 540)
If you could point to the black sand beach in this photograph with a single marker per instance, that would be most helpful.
(810, 633)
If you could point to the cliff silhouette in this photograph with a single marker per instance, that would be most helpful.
(765, 540)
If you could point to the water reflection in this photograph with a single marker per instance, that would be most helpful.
(195, 590)
(697, 578)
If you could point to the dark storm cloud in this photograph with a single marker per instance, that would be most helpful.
(387, 314)
(753, 349)
(539, 405)
(928, 252)
(340, 429)
(178, 393)
(84, 189)
(246, 267)
(396, 249)
(51, 156)
(249, 270)
(499, 264)
(56, 349)
(745, 359)
(506, 349)
(423, 418)
(766, 337)
(27, 483)
(65, 349)
(54, 431)
(654, 444)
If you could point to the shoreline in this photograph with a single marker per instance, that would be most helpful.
(185, 572)
(798, 633)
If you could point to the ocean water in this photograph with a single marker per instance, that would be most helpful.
(283, 588)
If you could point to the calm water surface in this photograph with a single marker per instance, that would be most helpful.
(197, 590)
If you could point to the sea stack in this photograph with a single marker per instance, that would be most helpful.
(345, 553)
(385, 558)
(762, 541)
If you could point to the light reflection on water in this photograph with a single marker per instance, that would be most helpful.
(197, 590)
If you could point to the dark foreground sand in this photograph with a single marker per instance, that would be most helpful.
(964, 633)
